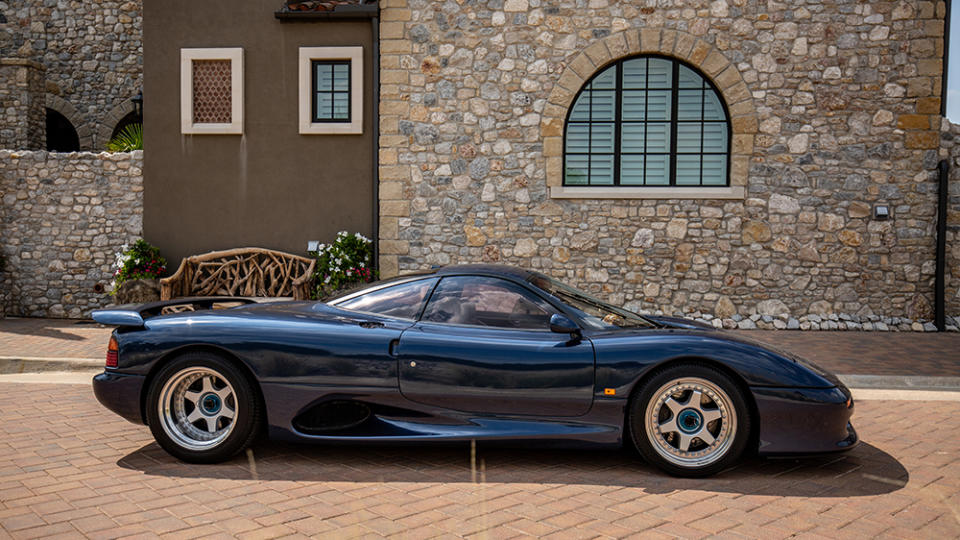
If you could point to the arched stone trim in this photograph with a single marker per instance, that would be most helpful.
(70, 112)
(110, 121)
(669, 42)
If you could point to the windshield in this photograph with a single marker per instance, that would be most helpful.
(594, 312)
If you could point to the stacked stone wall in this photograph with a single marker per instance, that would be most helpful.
(93, 55)
(950, 150)
(63, 219)
(22, 115)
(834, 109)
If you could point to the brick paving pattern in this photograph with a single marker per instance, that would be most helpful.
(53, 338)
(69, 467)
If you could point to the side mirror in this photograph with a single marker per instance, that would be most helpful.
(562, 324)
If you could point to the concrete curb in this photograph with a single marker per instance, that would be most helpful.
(12, 365)
(901, 382)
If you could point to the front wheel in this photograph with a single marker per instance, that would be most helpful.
(201, 409)
(690, 420)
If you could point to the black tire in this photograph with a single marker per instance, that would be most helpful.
(666, 424)
(189, 408)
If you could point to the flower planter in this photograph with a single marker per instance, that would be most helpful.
(138, 291)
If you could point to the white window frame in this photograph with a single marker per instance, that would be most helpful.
(235, 56)
(355, 56)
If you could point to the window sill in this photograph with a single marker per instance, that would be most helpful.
(573, 192)
(331, 128)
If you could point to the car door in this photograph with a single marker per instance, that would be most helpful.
(357, 350)
(484, 345)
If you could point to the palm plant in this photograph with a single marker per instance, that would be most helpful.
(129, 138)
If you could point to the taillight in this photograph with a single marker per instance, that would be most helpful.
(113, 352)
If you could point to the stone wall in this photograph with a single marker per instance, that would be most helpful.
(22, 115)
(950, 150)
(92, 53)
(62, 220)
(834, 109)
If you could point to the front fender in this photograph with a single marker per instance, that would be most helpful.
(625, 358)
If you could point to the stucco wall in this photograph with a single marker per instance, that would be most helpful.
(271, 186)
(834, 109)
(63, 219)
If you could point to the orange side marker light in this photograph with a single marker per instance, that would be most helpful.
(609, 391)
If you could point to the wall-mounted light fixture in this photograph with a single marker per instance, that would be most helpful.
(138, 105)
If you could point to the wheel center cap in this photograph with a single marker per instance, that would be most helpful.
(689, 421)
(210, 404)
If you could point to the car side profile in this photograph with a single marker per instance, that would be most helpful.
(472, 352)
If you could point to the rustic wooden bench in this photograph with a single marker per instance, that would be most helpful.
(250, 272)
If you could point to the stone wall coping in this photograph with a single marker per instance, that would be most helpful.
(22, 62)
(667, 192)
(115, 156)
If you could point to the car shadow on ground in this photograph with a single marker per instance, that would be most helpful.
(55, 329)
(864, 471)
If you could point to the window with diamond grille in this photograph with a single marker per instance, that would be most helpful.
(647, 121)
(212, 92)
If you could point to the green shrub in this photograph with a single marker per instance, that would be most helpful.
(129, 138)
(346, 262)
(140, 261)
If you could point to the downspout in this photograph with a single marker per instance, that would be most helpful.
(375, 32)
(940, 288)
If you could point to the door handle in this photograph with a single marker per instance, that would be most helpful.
(392, 349)
(371, 324)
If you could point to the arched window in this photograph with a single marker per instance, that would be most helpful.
(131, 118)
(61, 136)
(647, 121)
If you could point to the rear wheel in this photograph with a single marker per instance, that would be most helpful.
(202, 409)
(690, 420)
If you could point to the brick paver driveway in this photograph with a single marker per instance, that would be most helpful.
(67, 466)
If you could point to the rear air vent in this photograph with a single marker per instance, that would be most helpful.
(330, 416)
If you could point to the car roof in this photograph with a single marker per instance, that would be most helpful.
(503, 270)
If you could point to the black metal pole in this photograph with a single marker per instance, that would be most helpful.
(940, 289)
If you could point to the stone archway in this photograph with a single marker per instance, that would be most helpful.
(669, 42)
(70, 112)
(106, 126)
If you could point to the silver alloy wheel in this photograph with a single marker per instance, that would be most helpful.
(198, 408)
(691, 422)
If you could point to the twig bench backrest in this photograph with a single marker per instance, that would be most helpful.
(241, 272)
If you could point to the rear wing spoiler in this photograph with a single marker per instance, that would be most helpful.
(135, 314)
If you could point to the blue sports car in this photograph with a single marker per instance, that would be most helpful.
(478, 352)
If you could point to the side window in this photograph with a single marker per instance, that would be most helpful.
(484, 301)
(401, 301)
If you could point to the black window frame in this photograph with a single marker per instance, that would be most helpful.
(674, 122)
(314, 91)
